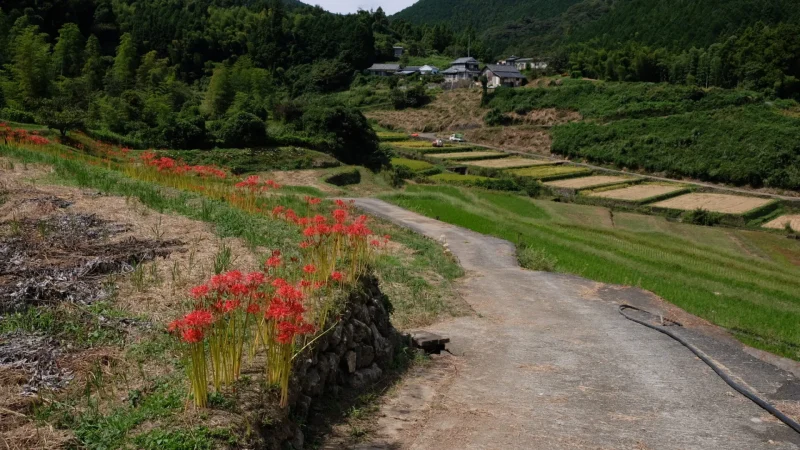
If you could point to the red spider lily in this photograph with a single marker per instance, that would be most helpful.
(273, 261)
(253, 309)
(309, 268)
(199, 319)
(337, 276)
(255, 279)
(192, 335)
(313, 200)
(200, 291)
(340, 216)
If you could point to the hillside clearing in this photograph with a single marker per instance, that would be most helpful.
(780, 223)
(721, 203)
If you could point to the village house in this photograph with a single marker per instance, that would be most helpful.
(398, 51)
(462, 69)
(429, 70)
(503, 75)
(408, 70)
(384, 70)
(530, 63)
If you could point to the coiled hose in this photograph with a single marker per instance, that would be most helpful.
(739, 388)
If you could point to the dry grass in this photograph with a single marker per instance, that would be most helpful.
(721, 203)
(547, 117)
(458, 109)
(509, 163)
(638, 192)
(521, 138)
(588, 182)
(470, 155)
(780, 222)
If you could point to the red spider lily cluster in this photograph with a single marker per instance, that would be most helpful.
(253, 184)
(278, 310)
(170, 165)
(20, 136)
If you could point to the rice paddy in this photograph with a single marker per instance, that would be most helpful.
(720, 203)
(469, 155)
(545, 173)
(746, 281)
(638, 193)
(509, 163)
(793, 220)
(414, 165)
(588, 182)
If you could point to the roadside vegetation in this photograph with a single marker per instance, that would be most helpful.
(118, 409)
(745, 281)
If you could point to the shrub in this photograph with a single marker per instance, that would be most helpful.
(242, 130)
(495, 117)
(15, 115)
(345, 133)
(347, 178)
(703, 217)
(536, 259)
(413, 97)
(185, 133)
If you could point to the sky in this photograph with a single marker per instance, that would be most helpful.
(351, 6)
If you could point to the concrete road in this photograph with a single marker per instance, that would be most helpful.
(547, 362)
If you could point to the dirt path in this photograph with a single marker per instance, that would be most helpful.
(548, 362)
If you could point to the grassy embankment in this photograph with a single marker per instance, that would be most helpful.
(745, 281)
(416, 276)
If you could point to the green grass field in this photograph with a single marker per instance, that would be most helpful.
(746, 281)
(413, 164)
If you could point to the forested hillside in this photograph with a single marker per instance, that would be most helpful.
(480, 14)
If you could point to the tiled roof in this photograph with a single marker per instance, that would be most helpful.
(504, 71)
(384, 67)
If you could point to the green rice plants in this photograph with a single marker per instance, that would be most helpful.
(412, 164)
(223, 259)
(547, 173)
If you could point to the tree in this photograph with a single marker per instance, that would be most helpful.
(93, 69)
(242, 130)
(60, 114)
(152, 71)
(124, 68)
(68, 52)
(220, 94)
(31, 64)
(345, 134)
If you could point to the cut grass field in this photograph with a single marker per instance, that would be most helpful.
(413, 164)
(545, 173)
(745, 281)
(793, 220)
(588, 182)
(639, 193)
(720, 203)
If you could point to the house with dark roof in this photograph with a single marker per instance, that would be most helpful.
(462, 69)
(384, 70)
(409, 70)
(503, 75)
(398, 51)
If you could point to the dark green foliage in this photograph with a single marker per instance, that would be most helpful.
(245, 161)
(347, 178)
(241, 130)
(702, 217)
(496, 118)
(345, 134)
(753, 145)
(16, 115)
(185, 132)
(60, 115)
(411, 97)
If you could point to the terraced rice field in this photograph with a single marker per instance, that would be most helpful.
(780, 223)
(469, 155)
(720, 203)
(412, 164)
(550, 172)
(638, 193)
(588, 182)
(509, 163)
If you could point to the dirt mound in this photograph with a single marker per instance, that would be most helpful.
(65, 257)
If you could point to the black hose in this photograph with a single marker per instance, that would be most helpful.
(739, 388)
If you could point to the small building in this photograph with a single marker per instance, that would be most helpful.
(384, 70)
(510, 61)
(398, 51)
(503, 75)
(428, 70)
(530, 63)
(462, 69)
